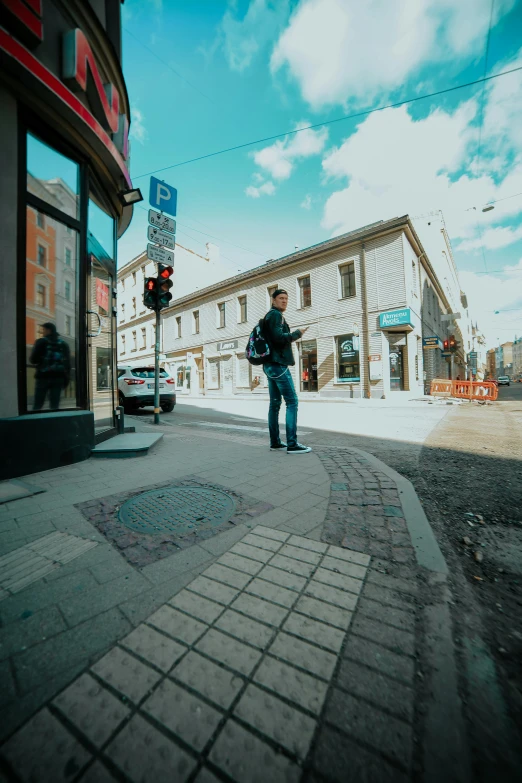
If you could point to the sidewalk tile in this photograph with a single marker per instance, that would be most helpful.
(285, 725)
(206, 776)
(126, 674)
(247, 759)
(97, 774)
(408, 586)
(143, 753)
(270, 592)
(298, 553)
(177, 624)
(231, 652)
(393, 696)
(301, 688)
(154, 647)
(344, 567)
(336, 753)
(338, 580)
(44, 750)
(331, 595)
(305, 655)
(240, 563)
(272, 519)
(92, 709)
(257, 609)
(387, 614)
(262, 542)
(228, 576)
(209, 679)
(314, 631)
(319, 610)
(293, 566)
(399, 641)
(306, 543)
(245, 629)
(183, 714)
(26, 633)
(253, 552)
(197, 606)
(401, 667)
(282, 578)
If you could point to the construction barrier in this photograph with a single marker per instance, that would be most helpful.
(441, 388)
(464, 390)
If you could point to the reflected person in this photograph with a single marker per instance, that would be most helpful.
(52, 359)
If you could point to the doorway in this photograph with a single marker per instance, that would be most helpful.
(309, 366)
(396, 369)
(100, 345)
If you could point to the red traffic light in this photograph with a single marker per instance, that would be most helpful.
(150, 285)
(446, 345)
(165, 271)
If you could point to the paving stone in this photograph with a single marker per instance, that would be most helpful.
(390, 736)
(389, 597)
(338, 580)
(270, 592)
(301, 554)
(154, 647)
(401, 667)
(305, 655)
(8, 689)
(393, 638)
(403, 554)
(286, 725)
(295, 685)
(229, 651)
(145, 754)
(197, 606)
(207, 584)
(408, 586)
(393, 510)
(177, 624)
(126, 674)
(314, 631)
(331, 595)
(262, 542)
(44, 750)
(182, 713)
(344, 567)
(393, 696)
(244, 564)
(206, 776)
(92, 709)
(333, 615)
(217, 684)
(307, 543)
(292, 566)
(355, 543)
(336, 753)
(24, 633)
(97, 773)
(253, 552)
(283, 578)
(247, 759)
(387, 614)
(245, 629)
(258, 609)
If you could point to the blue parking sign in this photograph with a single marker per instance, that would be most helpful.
(163, 197)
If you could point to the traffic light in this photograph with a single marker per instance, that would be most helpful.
(164, 285)
(446, 345)
(150, 293)
(453, 344)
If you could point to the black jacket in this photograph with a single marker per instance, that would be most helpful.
(40, 356)
(279, 337)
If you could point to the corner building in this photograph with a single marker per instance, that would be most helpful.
(370, 298)
(64, 128)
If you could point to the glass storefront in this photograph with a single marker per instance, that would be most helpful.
(348, 358)
(308, 358)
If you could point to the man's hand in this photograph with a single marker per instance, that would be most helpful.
(305, 329)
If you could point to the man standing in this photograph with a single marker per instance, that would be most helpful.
(51, 356)
(280, 384)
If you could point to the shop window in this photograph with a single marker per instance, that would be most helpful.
(178, 326)
(213, 374)
(41, 295)
(53, 177)
(42, 256)
(195, 316)
(103, 368)
(244, 374)
(347, 358)
(347, 280)
(305, 291)
(221, 315)
(143, 337)
(67, 290)
(40, 220)
(180, 377)
(242, 305)
(68, 257)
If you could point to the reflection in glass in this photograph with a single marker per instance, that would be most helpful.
(52, 177)
(51, 314)
(101, 226)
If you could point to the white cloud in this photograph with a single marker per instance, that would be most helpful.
(343, 50)
(306, 203)
(487, 293)
(267, 189)
(138, 131)
(493, 239)
(242, 39)
(279, 158)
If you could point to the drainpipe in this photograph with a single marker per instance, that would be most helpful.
(365, 329)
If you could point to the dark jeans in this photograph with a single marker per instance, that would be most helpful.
(54, 387)
(280, 384)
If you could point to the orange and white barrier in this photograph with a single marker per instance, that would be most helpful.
(464, 390)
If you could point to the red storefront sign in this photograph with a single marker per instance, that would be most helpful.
(102, 294)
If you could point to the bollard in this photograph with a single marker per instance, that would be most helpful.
(120, 416)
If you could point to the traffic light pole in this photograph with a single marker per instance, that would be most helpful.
(156, 369)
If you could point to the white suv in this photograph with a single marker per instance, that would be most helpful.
(136, 388)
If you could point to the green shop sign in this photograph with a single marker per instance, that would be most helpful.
(395, 318)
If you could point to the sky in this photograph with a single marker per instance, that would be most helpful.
(207, 75)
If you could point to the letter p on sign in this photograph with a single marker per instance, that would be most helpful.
(163, 197)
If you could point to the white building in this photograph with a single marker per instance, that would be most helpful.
(371, 299)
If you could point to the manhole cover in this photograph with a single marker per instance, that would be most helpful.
(179, 510)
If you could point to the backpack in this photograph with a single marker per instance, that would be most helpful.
(257, 350)
(55, 358)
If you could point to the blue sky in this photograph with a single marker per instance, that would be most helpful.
(233, 72)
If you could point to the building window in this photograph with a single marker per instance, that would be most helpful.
(221, 315)
(41, 295)
(122, 318)
(143, 337)
(195, 316)
(347, 358)
(123, 343)
(68, 325)
(242, 303)
(305, 291)
(178, 326)
(40, 221)
(133, 307)
(68, 256)
(67, 290)
(270, 290)
(42, 256)
(134, 342)
(347, 279)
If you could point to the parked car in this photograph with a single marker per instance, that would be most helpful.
(503, 380)
(136, 388)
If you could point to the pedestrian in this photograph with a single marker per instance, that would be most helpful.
(280, 384)
(51, 356)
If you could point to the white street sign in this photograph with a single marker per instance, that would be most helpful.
(160, 237)
(160, 255)
(162, 221)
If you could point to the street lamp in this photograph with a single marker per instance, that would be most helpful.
(131, 196)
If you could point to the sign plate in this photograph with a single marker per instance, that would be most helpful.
(163, 197)
(162, 221)
(160, 255)
(229, 345)
(472, 354)
(431, 342)
(395, 318)
(160, 237)
(374, 357)
(446, 354)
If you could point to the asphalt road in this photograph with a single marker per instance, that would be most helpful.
(513, 392)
